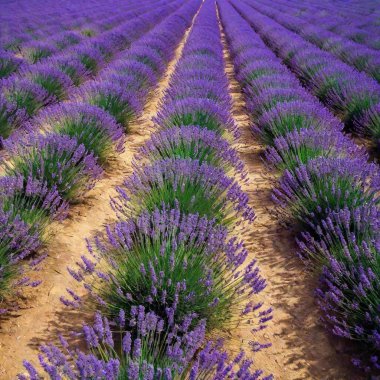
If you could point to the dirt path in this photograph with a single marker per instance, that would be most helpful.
(301, 347)
(43, 316)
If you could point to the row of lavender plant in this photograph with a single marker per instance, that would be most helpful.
(349, 94)
(65, 43)
(362, 15)
(29, 17)
(356, 55)
(350, 23)
(326, 190)
(362, 30)
(22, 96)
(349, 10)
(23, 25)
(168, 272)
(67, 146)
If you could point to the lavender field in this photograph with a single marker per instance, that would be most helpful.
(189, 189)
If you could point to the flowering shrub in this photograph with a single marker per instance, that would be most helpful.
(89, 125)
(197, 188)
(58, 161)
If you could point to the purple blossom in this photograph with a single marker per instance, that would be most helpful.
(193, 111)
(192, 142)
(118, 102)
(206, 184)
(58, 161)
(90, 125)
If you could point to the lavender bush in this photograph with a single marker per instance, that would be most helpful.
(35, 51)
(194, 111)
(347, 248)
(139, 356)
(324, 185)
(198, 188)
(119, 103)
(175, 264)
(20, 99)
(291, 116)
(8, 64)
(58, 161)
(32, 201)
(299, 147)
(53, 81)
(17, 241)
(89, 125)
(192, 142)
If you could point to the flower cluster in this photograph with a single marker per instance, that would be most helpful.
(89, 125)
(57, 160)
(140, 355)
(148, 261)
(8, 63)
(195, 143)
(199, 188)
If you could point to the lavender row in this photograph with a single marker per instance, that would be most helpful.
(20, 26)
(361, 16)
(349, 94)
(16, 34)
(169, 272)
(22, 96)
(358, 56)
(361, 30)
(116, 35)
(65, 150)
(326, 189)
(360, 27)
(346, 11)
(64, 44)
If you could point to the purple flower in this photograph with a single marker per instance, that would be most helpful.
(34, 51)
(293, 115)
(9, 64)
(298, 147)
(324, 185)
(197, 187)
(192, 142)
(118, 102)
(58, 161)
(24, 98)
(90, 125)
(71, 66)
(193, 111)
(56, 83)
(141, 73)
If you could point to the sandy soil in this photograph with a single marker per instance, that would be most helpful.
(42, 316)
(301, 347)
